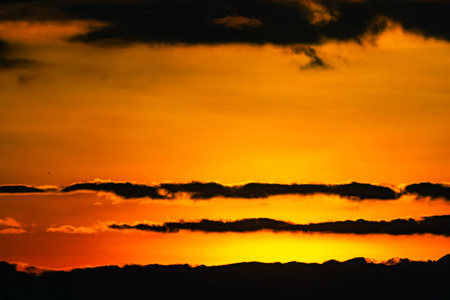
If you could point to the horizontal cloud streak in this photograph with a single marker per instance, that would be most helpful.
(353, 190)
(10, 226)
(126, 190)
(71, 229)
(237, 21)
(13, 189)
(438, 225)
(96, 228)
(208, 190)
(427, 189)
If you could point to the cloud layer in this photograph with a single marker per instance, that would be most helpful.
(427, 189)
(439, 225)
(237, 21)
(126, 190)
(18, 189)
(300, 24)
(72, 229)
(208, 190)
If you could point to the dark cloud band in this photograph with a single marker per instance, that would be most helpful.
(126, 190)
(352, 190)
(208, 190)
(237, 21)
(438, 225)
(18, 189)
(427, 189)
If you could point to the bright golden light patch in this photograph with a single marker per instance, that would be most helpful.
(71, 230)
(58, 250)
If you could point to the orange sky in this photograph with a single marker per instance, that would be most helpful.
(240, 113)
(230, 113)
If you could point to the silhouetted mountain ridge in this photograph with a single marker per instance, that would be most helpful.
(351, 279)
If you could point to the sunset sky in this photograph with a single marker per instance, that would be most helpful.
(119, 117)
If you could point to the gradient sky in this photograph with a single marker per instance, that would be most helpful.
(268, 91)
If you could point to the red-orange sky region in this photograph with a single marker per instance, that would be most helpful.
(71, 230)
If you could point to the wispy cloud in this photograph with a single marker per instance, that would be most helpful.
(98, 227)
(71, 229)
(10, 226)
(316, 62)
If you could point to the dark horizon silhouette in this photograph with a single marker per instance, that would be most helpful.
(353, 279)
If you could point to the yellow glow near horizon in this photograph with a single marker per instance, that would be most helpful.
(94, 244)
(111, 248)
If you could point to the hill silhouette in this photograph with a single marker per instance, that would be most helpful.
(352, 279)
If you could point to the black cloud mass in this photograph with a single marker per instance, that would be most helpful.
(279, 22)
(13, 189)
(207, 190)
(126, 190)
(427, 189)
(438, 225)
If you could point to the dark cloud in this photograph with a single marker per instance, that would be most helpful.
(25, 79)
(354, 190)
(198, 190)
(428, 18)
(238, 22)
(279, 22)
(352, 279)
(15, 63)
(12, 189)
(439, 225)
(195, 22)
(427, 189)
(126, 190)
(315, 61)
(207, 190)
(363, 191)
(178, 21)
(352, 20)
(12, 63)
